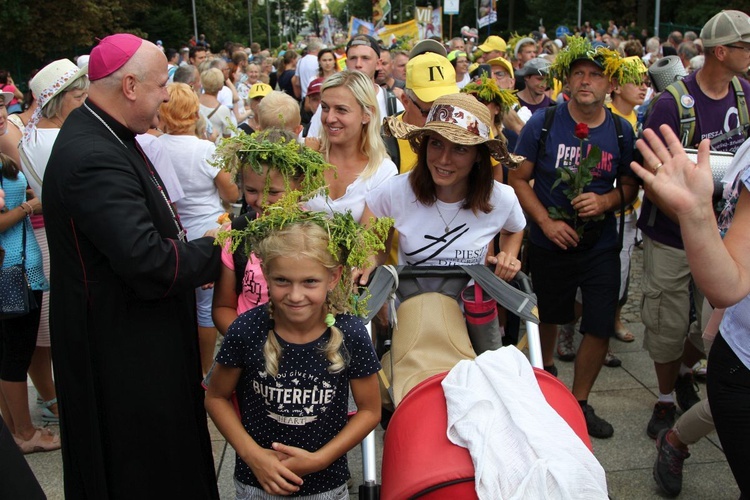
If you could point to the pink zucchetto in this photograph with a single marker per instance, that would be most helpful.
(111, 54)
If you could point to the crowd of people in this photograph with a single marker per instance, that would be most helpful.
(117, 170)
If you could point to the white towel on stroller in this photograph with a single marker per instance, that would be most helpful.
(520, 446)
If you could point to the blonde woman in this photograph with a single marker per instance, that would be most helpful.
(350, 140)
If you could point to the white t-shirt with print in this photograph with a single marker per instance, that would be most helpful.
(422, 235)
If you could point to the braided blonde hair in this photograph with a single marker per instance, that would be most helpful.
(303, 239)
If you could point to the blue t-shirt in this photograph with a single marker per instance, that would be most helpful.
(713, 117)
(563, 148)
(304, 405)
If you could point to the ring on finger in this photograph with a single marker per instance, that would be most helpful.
(658, 166)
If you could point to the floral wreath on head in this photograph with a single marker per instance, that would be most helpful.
(287, 156)
(631, 70)
(581, 48)
(486, 90)
(351, 243)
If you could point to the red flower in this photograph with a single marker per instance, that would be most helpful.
(582, 131)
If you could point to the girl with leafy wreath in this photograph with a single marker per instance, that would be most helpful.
(270, 165)
(291, 361)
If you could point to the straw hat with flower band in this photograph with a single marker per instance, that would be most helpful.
(461, 119)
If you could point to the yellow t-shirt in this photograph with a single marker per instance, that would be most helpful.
(632, 118)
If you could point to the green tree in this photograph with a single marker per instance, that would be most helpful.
(338, 10)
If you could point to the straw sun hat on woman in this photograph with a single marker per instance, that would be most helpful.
(461, 119)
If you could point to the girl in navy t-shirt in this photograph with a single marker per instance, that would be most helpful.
(291, 363)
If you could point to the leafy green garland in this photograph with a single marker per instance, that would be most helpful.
(487, 90)
(351, 243)
(256, 151)
(581, 48)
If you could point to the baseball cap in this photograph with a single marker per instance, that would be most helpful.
(501, 61)
(430, 76)
(111, 54)
(315, 86)
(259, 90)
(728, 26)
(537, 66)
(455, 54)
(493, 42)
(366, 40)
(428, 45)
(6, 97)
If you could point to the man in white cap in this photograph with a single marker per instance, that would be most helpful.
(123, 317)
(710, 94)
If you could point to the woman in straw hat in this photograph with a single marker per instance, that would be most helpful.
(448, 209)
(59, 88)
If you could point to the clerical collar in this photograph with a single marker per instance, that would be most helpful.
(118, 129)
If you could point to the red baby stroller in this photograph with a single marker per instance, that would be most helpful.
(418, 459)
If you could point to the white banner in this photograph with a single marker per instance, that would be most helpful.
(450, 7)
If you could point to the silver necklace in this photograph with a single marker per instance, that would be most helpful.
(181, 233)
(447, 224)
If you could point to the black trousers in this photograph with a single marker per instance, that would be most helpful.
(728, 386)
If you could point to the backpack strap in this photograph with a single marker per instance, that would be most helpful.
(742, 110)
(678, 90)
(621, 146)
(549, 118)
(391, 102)
(391, 145)
(742, 115)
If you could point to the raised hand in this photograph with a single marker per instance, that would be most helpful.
(670, 177)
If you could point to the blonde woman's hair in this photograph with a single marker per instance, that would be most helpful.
(279, 110)
(308, 240)
(212, 80)
(370, 143)
(180, 113)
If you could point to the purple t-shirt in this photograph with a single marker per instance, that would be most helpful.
(544, 103)
(713, 118)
